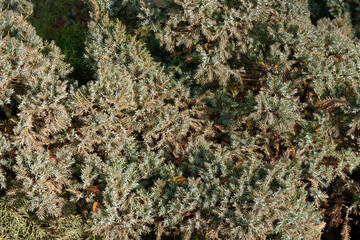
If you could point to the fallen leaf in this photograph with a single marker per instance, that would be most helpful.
(93, 189)
(177, 179)
(80, 132)
(12, 153)
(51, 155)
(96, 206)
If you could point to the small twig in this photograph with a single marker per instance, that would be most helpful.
(331, 103)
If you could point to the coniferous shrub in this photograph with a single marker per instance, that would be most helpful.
(234, 119)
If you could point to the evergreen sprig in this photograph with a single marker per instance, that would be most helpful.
(231, 119)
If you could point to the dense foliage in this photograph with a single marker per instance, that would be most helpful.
(204, 119)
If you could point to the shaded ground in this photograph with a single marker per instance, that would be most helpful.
(65, 22)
